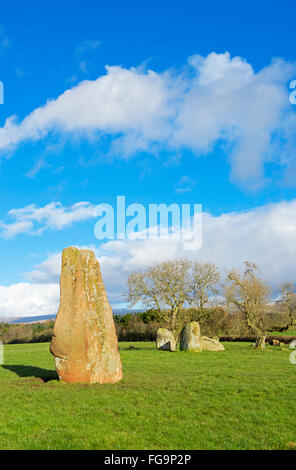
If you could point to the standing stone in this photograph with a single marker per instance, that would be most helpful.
(165, 340)
(84, 341)
(211, 344)
(190, 338)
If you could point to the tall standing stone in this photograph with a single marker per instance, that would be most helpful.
(165, 340)
(84, 341)
(190, 339)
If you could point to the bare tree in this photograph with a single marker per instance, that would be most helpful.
(204, 280)
(249, 294)
(288, 301)
(165, 286)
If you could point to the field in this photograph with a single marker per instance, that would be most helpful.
(237, 399)
(285, 333)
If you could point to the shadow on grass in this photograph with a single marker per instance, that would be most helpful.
(31, 371)
(129, 348)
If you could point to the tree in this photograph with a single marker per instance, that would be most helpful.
(164, 286)
(205, 277)
(149, 316)
(288, 300)
(249, 294)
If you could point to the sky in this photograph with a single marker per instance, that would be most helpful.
(184, 102)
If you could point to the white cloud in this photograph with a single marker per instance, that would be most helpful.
(121, 101)
(228, 101)
(46, 272)
(214, 99)
(34, 220)
(15, 228)
(24, 299)
(265, 235)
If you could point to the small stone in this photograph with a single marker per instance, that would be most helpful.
(210, 344)
(292, 345)
(190, 338)
(165, 340)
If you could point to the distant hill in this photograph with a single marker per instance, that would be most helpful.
(123, 311)
(39, 318)
(42, 318)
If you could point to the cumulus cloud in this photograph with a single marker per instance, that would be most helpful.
(228, 101)
(34, 220)
(265, 235)
(213, 100)
(25, 299)
(121, 101)
(46, 272)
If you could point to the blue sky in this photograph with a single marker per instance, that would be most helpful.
(194, 108)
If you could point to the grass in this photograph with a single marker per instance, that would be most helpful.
(284, 333)
(237, 399)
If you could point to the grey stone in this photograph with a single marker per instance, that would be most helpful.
(165, 340)
(210, 344)
(190, 338)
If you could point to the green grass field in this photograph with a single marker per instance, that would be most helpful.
(237, 399)
(285, 333)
